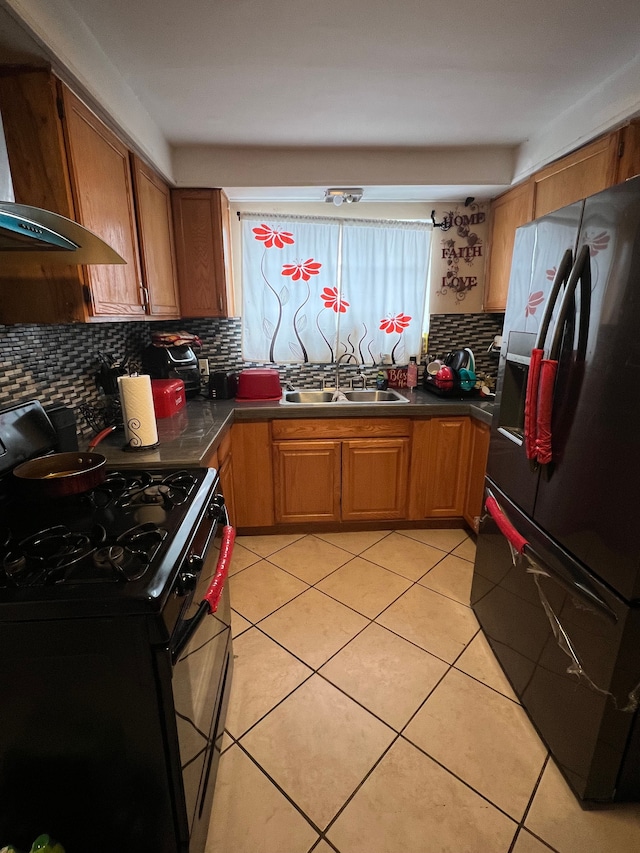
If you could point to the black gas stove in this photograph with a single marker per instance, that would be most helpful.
(115, 548)
(108, 738)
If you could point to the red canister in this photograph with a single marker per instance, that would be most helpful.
(168, 396)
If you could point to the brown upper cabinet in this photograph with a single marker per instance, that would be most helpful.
(594, 167)
(65, 159)
(588, 170)
(103, 194)
(155, 233)
(508, 212)
(201, 222)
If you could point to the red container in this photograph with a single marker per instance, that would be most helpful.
(259, 383)
(168, 396)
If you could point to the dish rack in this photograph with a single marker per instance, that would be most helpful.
(429, 384)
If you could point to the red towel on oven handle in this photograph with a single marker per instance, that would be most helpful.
(214, 592)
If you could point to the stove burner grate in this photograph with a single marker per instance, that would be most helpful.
(58, 555)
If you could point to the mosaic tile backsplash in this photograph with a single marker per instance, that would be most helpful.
(56, 364)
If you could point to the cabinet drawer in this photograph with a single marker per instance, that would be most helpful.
(341, 428)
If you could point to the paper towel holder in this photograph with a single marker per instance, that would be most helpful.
(131, 448)
(133, 422)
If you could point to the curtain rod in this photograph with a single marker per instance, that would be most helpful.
(409, 224)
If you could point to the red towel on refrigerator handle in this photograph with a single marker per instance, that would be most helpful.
(548, 370)
(531, 404)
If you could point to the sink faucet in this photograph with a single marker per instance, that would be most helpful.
(348, 355)
(360, 377)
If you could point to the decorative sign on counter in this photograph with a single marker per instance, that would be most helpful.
(457, 265)
(397, 377)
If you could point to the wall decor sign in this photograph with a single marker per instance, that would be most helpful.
(457, 271)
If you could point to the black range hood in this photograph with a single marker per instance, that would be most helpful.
(32, 236)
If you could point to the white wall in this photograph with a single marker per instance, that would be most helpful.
(616, 100)
(78, 59)
(221, 166)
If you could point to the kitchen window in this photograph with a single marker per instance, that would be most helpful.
(317, 287)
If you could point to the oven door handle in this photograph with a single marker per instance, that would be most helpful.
(211, 600)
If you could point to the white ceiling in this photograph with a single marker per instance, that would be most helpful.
(363, 73)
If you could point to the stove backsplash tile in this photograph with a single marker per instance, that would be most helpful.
(55, 364)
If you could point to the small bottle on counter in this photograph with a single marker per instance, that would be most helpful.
(412, 373)
(382, 382)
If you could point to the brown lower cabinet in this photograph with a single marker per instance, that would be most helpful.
(340, 469)
(343, 470)
(306, 478)
(478, 452)
(439, 469)
(223, 461)
(252, 474)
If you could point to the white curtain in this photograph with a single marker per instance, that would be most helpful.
(314, 289)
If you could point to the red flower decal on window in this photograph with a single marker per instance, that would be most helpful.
(534, 300)
(395, 324)
(331, 299)
(598, 243)
(272, 237)
(304, 270)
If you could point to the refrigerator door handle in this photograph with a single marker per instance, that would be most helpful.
(537, 354)
(549, 366)
(581, 273)
(579, 588)
(515, 539)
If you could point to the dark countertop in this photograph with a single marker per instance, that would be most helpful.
(188, 438)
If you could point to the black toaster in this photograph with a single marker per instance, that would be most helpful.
(223, 385)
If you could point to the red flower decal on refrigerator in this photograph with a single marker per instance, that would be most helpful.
(535, 299)
(598, 243)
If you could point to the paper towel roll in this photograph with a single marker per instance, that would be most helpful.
(137, 411)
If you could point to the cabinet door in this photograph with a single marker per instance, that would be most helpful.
(508, 212)
(198, 223)
(447, 460)
(374, 478)
(306, 480)
(155, 232)
(226, 483)
(629, 163)
(102, 188)
(38, 160)
(592, 168)
(478, 453)
(252, 474)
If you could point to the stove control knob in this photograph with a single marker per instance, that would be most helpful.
(187, 582)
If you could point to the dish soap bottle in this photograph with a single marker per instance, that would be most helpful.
(412, 373)
(381, 381)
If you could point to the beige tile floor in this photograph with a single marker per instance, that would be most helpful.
(368, 715)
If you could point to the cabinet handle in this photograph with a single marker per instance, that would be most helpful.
(144, 296)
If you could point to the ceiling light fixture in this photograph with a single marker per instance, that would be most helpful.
(338, 196)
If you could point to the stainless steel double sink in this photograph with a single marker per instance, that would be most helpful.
(365, 395)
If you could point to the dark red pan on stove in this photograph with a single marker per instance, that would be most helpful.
(61, 474)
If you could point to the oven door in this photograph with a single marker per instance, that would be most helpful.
(201, 681)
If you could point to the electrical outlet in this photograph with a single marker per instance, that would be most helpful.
(203, 366)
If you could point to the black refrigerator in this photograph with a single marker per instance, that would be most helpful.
(556, 584)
